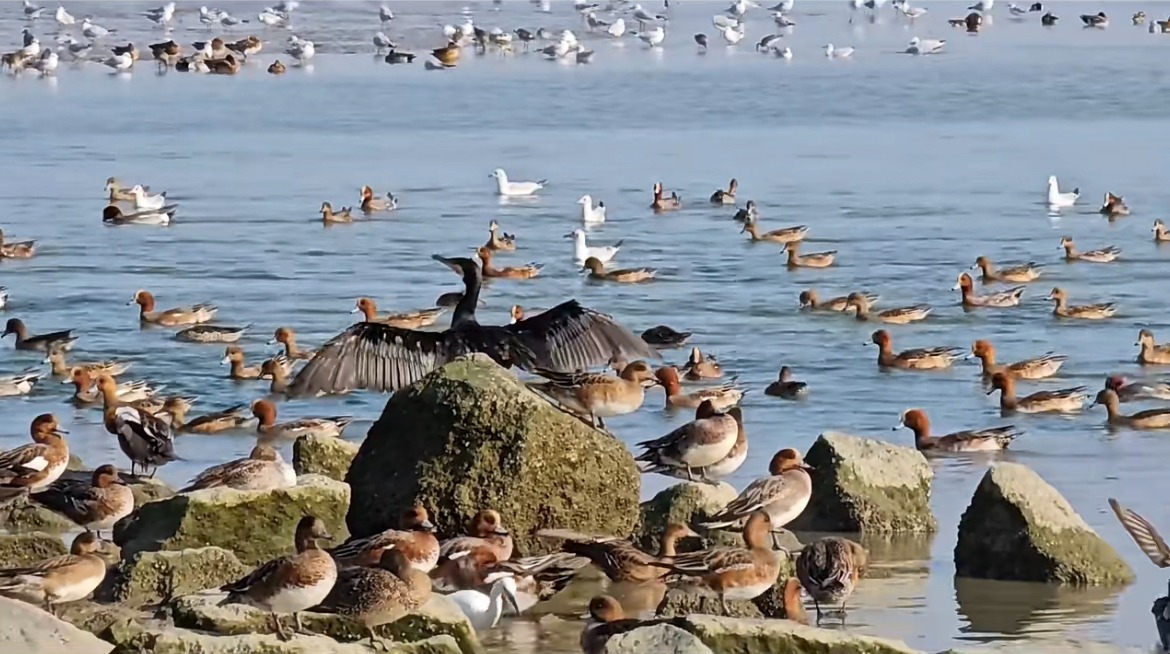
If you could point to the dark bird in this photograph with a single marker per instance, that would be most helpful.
(379, 357)
(525, 37)
(701, 39)
(1153, 546)
(394, 57)
(1048, 19)
(829, 570)
(663, 336)
(1036, 6)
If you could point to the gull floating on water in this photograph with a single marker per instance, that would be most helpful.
(643, 17)
(508, 188)
(590, 214)
(144, 200)
(911, 12)
(75, 48)
(925, 46)
(1016, 10)
(837, 53)
(64, 18)
(582, 250)
(1056, 199)
(720, 21)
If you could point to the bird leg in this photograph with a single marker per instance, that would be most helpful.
(300, 627)
(690, 475)
(377, 643)
(838, 614)
(818, 607)
(279, 630)
(723, 604)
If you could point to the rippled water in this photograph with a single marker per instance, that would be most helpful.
(909, 167)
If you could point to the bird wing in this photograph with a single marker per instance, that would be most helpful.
(42, 568)
(756, 496)
(1144, 534)
(25, 459)
(373, 356)
(713, 560)
(257, 576)
(571, 337)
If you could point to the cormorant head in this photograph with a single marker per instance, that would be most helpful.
(461, 265)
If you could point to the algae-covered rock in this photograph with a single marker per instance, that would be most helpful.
(323, 455)
(686, 600)
(145, 489)
(22, 549)
(160, 638)
(26, 628)
(659, 639)
(157, 577)
(98, 618)
(22, 514)
(687, 503)
(255, 525)
(1020, 528)
(751, 636)
(867, 486)
(471, 436)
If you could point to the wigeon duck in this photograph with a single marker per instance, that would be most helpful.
(1128, 391)
(371, 203)
(783, 494)
(277, 68)
(702, 442)
(84, 392)
(726, 197)
(701, 366)
(721, 468)
(1065, 400)
(212, 334)
(95, 504)
(287, 336)
(512, 272)
(607, 619)
(1039, 367)
(663, 336)
(406, 319)
(16, 249)
(662, 203)
(498, 240)
(447, 55)
(1002, 299)
(113, 215)
(860, 304)
(1098, 19)
(1103, 255)
(33, 467)
(415, 540)
(143, 437)
(1149, 419)
(263, 469)
(63, 340)
(598, 395)
(977, 440)
(168, 54)
(128, 49)
(814, 260)
(1143, 533)
(228, 65)
(154, 405)
(619, 559)
(279, 374)
(378, 595)
(118, 193)
(248, 46)
(1152, 352)
(1062, 309)
(21, 384)
(1113, 206)
(233, 355)
(1161, 234)
(265, 412)
(598, 272)
(734, 573)
(58, 580)
(289, 584)
(926, 358)
(328, 216)
(786, 387)
(197, 313)
(722, 397)
(216, 49)
(488, 543)
(175, 411)
(829, 569)
(1016, 274)
(782, 236)
(812, 301)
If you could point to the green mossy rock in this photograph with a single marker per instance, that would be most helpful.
(25, 628)
(471, 436)
(749, 636)
(98, 618)
(157, 577)
(160, 638)
(688, 503)
(1019, 528)
(323, 455)
(659, 639)
(18, 550)
(22, 514)
(683, 600)
(256, 526)
(862, 485)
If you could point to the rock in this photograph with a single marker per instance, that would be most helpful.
(471, 436)
(749, 636)
(323, 455)
(18, 550)
(158, 577)
(660, 639)
(1019, 528)
(26, 628)
(255, 525)
(145, 489)
(21, 514)
(682, 600)
(867, 486)
(159, 638)
(98, 618)
(688, 503)
(76, 464)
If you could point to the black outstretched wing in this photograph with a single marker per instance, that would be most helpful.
(374, 356)
(571, 337)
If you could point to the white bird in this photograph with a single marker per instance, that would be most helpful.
(381, 41)
(582, 250)
(590, 214)
(120, 63)
(300, 49)
(732, 35)
(384, 14)
(144, 200)
(925, 46)
(1016, 10)
(64, 18)
(1056, 199)
(47, 64)
(21, 384)
(786, 53)
(982, 6)
(161, 15)
(911, 12)
(287, 6)
(643, 17)
(91, 30)
(208, 16)
(484, 610)
(31, 11)
(515, 189)
(654, 37)
(3, 296)
(617, 29)
(270, 18)
(837, 53)
(721, 21)
(228, 20)
(76, 49)
(784, 7)
(782, 20)
(32, 45)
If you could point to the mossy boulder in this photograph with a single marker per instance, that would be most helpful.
(160, 638)
(157, 577)
(659, 639)
(686, 599)
(323, 455)
(145, 489)
(22, 549)
(25, 628)
(471, 436)
(867, 486)
(98, 618)
(1019, 528)
(687, 503)
(21, 514)
(255, 525)
(751, 636)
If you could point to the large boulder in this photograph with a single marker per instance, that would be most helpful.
(868, 486)
(323, 455)
(1020, 528)
(749, 636)
(659, 639)
(160, 638)
(471, 436)
(22, 549)
(255, 525)
(22, 514)
(680, 600)
(158, 577)
(687, 503)
(145, 489)
(26, 628)
(98, 618)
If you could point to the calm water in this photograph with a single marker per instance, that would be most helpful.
(909, 167)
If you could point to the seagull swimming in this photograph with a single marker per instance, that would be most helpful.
(925, 46)
(1056, 199)
(582, 250)
(1016, 10)
(782, 21)
(837, 53)
(784, 7)
(75, 48)
(590, 214)
(144, 200)
(515, 189)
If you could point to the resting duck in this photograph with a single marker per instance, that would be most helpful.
(1085, 311)
(61, 579)
(511, 272)
(113, 215)
(598, 395)
(1161, 234)
(118, 193)
(191, 315)
(663, 336)
(1003, 299)
(1065, 400)
(263, 469)
(930, 358)
(1098, 19)
(1019, 273)
(598, 272)
(277, 68)
(726, 197)
(662, 203)
(175, 409)
(1152, 352)
(814, 260)
(829, 569)
(94, 504)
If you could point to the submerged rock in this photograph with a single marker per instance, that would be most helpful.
(471, 436)
(18, 550)
(782, 636)
(323, 455)
(158, 577)
(659, 639)
(25, 628)
(868, 486)
(1019, 528)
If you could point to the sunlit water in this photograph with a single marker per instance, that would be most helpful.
(909, 167)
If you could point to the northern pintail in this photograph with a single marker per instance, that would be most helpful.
(1103, 255)
(1152, 352)
(598, 272)
(265, 412)
(782, 236)
(113, 215)
(971, 299)
(1017, 273)
(813, 260)
(860, 303)
(976, 440)
(406, 319)
(64, 339)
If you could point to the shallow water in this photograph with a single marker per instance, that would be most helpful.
(909, 167)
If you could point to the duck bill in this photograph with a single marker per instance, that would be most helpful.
(427, 525)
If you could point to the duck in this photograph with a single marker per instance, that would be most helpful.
(20, 384)
(976, 440)
(1148, 419)
(95, 505)
(487, 543)
(63, 340)
(662, 203)
(396, 57)
(811, 300)
(582, 251)
(61, 367)
(726, 197)
(1062, 309)
(407, 319)
(248, 46)
(598, 272)
(1098, 19)
(1161, 234)
(1065, 400)
(415, 539)
(378, 595)
(829, 569)
(598, 395)
(1045, 365)
(177, 316)
(202, 333)
(175, 411)
(131, 391)
(17, 249)
(155, 404)
(263, 469)
(748, 214)
(704, 441)
(931, 358)
(128, 49)
(619, 559)
(783, 494)
(58, 580)
(1139, 18)
(328, 216)
(786, 387)
(279, 374)
(814, 260)
(590, 214)
(226, 66)
(277, 68)
(607, 619)
(1015, 273)
(1113, 206)
(1048, 19)
(1103, 255)
(499, 241)
(144, 438)
(113, 215)
(720, 469)
(371, 203)
(513, 272)
(722, 397)
(265, 412)
(1128, 391)
(287, 337)
(1002, 299)
(291, 583)
(118, 193)
(447, 55)
(1151, 352)
(701, 366)
(234, 356)
(35, 466)
(782, 236)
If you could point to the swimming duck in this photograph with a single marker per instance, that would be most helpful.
(722, 397)
(1152, 352)
(277, 68)
(1161, 234)
(175, 411)
(663, 336)
(814, 260)
(1039, 367)
(662, 203)
(1128, 391)
(1086, 311)
(63, 340)
(598, 395)
(748, 214)
(415, 539)
(247, 47)
(21, 384)
(143, 437)
(234, 356)
(62, 368)
(371, 203)
(131, 391)
(279, 374)
(1048, 19)
(118, 193)
(202, 312)
(378, 595)
(860, 302)
(1065, 400)
(33, 467)
(407, 319)
(499, 241)
(702, 366)
(1113, 206)
(112, 215)
(709, 474)
(783, 494)
(977, 440)
(58, 580)
(511, 272)
(212, 333)
(811, 300)
(95, 504)
(292, 583)
(287, 336)
(829, 569)
(1149, 419)
(263, 469)
(598, 272)
(783, 236)
(1103, 255)
(447, 55)
(328, 216)
(701, 442)
(265, 412)
(786, 387)
(1095, 20)
(1002, 299)
(726, 197)
(930, 358)
(620, 559)
(16, 249)
(1019, 273)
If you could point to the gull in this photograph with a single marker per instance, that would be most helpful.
(854, 5)
(47, 64)
(384, 14)
(911, 12)
(765, 43)
(590, 214)
(786, 53)
(287, 6)
(31, 11)
(75, 48)
(1056, 199)
(582, 250)
(525, 36)
(617, 29)
(32, 45)
(837, 53)
(121, 63)
(508, 188)
(91, 30)
(925, 46)
(721, 21)
(208, 16)
(1016, 10)
(228, 20)
(593, 22)
(144, 200)
(64, 18)
(983, 6)
(783, 7)
(654, 37)
(382, 42)
(782, 20)
(739, 7)
(584, 56)
(300, 49)
(732, 35)
(642, 17)
(556, 50)
(701, 39)
(270, 18)
(483, 610)
(161, 15)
